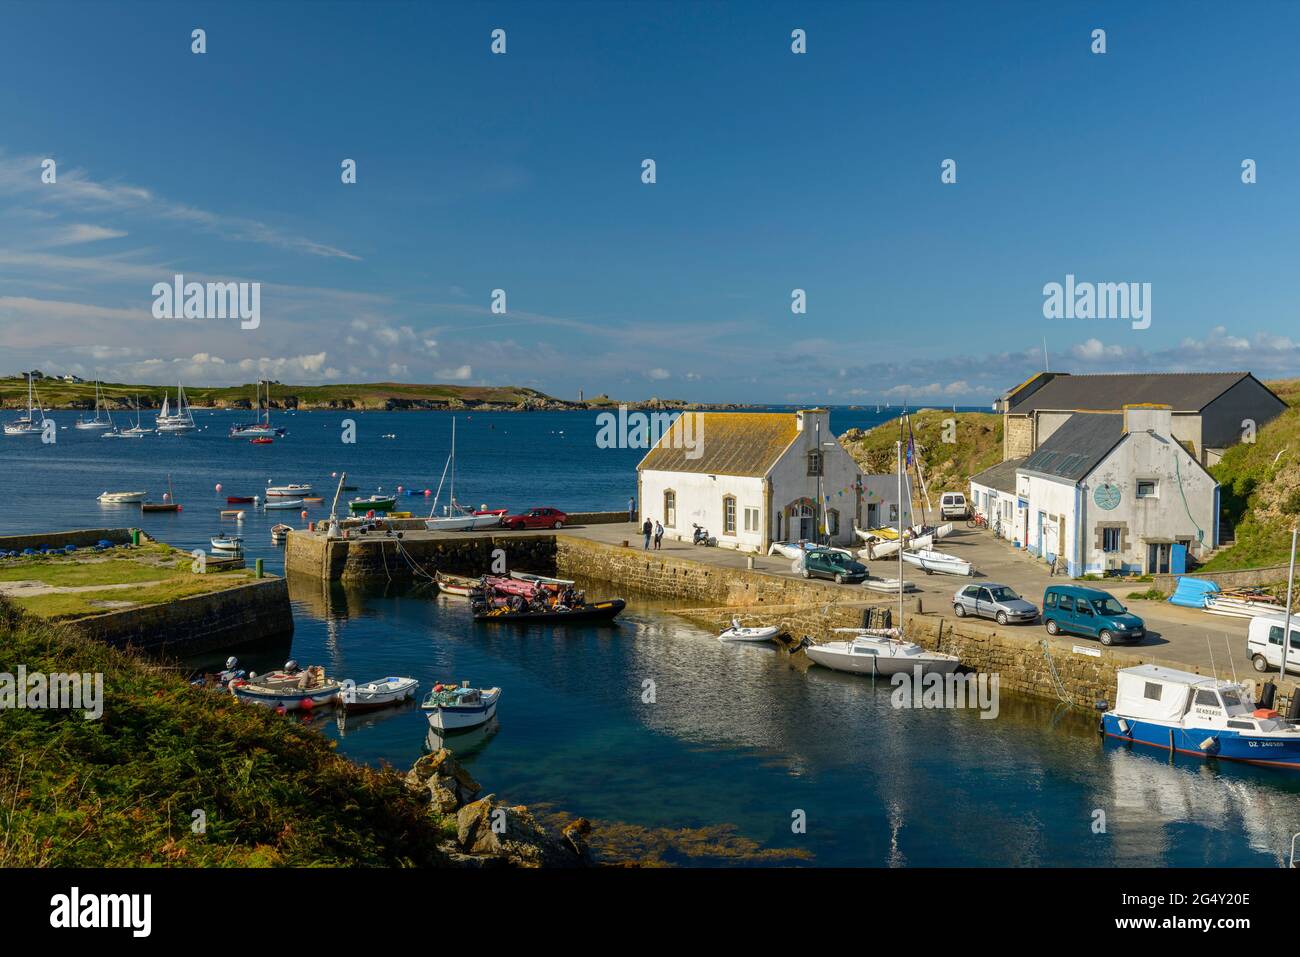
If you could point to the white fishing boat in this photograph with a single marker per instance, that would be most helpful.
(879, 652)
(931, 561)
(121, 498)
(457, 709)
(227, 543)
(97, 422)
(457, 517)
(377, 694)
(178, 422)
(738, 632)
(280, 534)
(287, 695)
(28, 424)
(289, 491)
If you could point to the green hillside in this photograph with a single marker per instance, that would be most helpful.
(1260, 485)
(948, 465)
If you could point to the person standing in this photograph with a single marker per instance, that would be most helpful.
(659, 534)
(631, 510)
(646, 530)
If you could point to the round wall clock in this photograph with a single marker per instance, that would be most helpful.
(1106, 496)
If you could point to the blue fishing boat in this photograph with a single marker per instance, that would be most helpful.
(1195, 714)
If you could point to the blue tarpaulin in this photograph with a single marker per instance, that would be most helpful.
(1192, 592)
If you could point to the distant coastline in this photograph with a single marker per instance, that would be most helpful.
(56, 393)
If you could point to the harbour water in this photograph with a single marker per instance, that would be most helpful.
(733, 748)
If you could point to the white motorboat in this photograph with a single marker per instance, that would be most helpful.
(122, 498)
(738, 632)
(457, 709)
(931, 561)
(377, 694)
(280, 534)
(96, 422)
(288, 491)
(879, 652)
(227, 543)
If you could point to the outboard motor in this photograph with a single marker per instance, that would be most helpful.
(1267, 695)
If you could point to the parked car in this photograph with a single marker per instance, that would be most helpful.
(1076, 610)
(833, 565)
(998, 602)
(1264, 644)
(535, 518)
(953, 505)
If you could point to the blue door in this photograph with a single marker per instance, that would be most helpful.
(1178, 560)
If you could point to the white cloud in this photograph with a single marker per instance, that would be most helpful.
(82, 233)
(458, 374)
(659, 374)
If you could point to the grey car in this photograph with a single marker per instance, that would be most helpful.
(998, 602)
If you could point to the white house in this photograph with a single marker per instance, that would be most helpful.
(753, 478)
(1115, 492)
(993, 495)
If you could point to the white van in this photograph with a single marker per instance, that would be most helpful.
(952, 505)
(1264, 644)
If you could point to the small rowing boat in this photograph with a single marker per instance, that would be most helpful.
(284, 503)
(227, 543)
(376, 503)
(931, 561)
(797, 550)
(289, 690)
(377, 694)
(261, 440)
(240, 499)
(279, 534)
(738, 632)
(889, 585)
(457, 585)
(540, 579)
(459, 709)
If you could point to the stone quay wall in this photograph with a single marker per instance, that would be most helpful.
(81, 538)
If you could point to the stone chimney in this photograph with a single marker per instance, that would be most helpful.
(808, 419)
(1149, 417)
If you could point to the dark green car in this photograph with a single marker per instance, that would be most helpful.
(833, 565)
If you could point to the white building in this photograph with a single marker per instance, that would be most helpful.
(761, 477)
(993, 495)
(1114, 492)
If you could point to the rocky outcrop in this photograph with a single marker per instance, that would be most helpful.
(488, 833)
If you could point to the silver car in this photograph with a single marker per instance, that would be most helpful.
(998, 602)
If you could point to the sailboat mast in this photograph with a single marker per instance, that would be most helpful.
(899, 446)
(453, 463)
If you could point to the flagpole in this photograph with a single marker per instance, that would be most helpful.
(1286, 627)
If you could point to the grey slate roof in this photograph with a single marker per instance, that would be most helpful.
(1078, 446)
(1001, 476)
(1182, 391)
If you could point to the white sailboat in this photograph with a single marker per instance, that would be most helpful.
(261, 427)
(28, 424)
(456, 517)
(137, 429)
(97, 422)
(180, 421)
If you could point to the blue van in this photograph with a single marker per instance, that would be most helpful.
(1076, 610)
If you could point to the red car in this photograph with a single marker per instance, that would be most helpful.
(535, 518)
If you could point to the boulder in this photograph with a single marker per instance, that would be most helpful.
(448, 785)
(512, 833)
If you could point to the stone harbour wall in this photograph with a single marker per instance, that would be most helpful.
(81, 538)
(382, 558)
(236, 616)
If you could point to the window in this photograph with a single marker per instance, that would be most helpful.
(729, 515)
(751, 520)
(893, 514)
(1206, 699)
(1051, 599)
(1067, 603)
(833, 521)
(1148, 488)
(1151, 691)
(1110, 539)
(984, 595)
(1243, 725)
(970, 591)
(815, 462)
(1275, 637)
(670, 509)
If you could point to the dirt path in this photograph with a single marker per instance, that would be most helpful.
(29, 589)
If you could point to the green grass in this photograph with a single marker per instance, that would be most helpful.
(948, 465)
(120, 791)
(71, 605)
(1260, 490)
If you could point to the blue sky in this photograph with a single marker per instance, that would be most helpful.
(775, 171)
